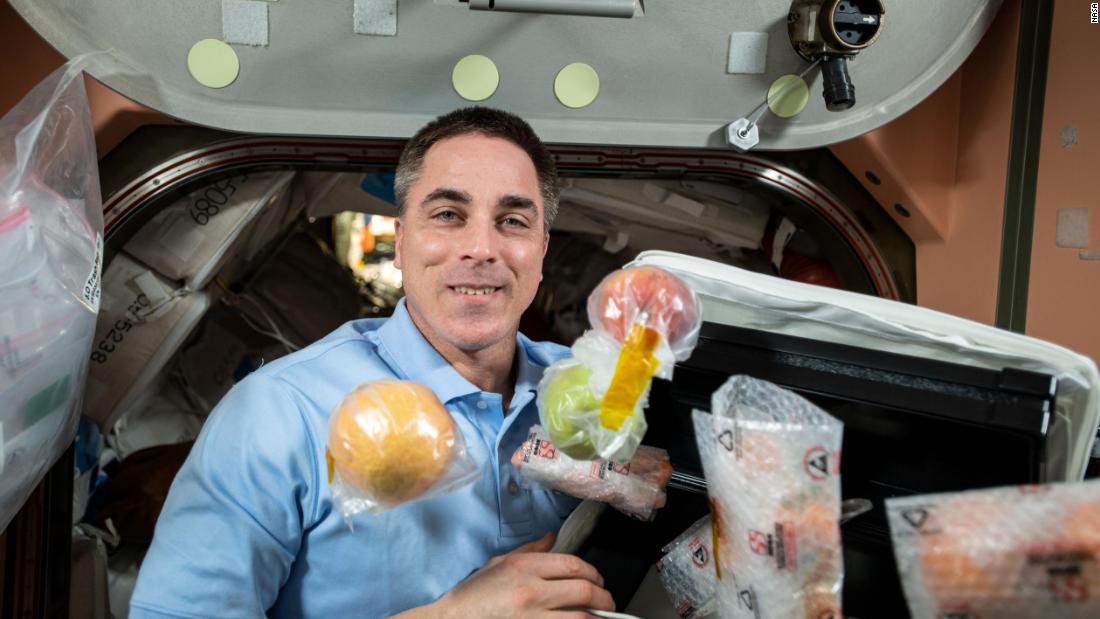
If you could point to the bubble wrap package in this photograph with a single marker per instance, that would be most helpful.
(772, 462)
(687, 571)
(637, 488)
(644, 319)
(390, 442)
(1005, 553)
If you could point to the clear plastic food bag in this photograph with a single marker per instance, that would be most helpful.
(687, 571)
(772, 462)
(636, 489)
(569, 400)
(391, 442)
(51, 249)
(1028, 551)
(644, 320)
(650, 298)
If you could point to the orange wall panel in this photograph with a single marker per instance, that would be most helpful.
(945, 163)
(113, 115)
(959, 275)
(914, 166)
(1064, 287)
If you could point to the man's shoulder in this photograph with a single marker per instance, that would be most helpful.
(544, 353)
(352, 345)
(313, 380)
(304, 386)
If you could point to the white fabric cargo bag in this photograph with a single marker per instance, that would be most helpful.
(160, 416)
(647, 213)
(734, 296)
(143, 320)
(276, 219)
(191, 239)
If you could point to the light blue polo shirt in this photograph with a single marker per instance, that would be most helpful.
(249, 526)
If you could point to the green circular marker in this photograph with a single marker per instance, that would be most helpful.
(577, 85)
(213, 63)
(788, 96)
(475, 78)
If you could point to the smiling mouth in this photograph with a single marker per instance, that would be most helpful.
(475, 292)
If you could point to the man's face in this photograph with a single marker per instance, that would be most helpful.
(471, 242)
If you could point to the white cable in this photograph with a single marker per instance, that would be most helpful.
(258, 329)
(275, 333)
(606, 614)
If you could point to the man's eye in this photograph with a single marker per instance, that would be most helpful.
(445, 216)
(515, 222)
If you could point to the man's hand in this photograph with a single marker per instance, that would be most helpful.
(526, 583)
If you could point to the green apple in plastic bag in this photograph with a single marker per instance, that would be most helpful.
(568, 407)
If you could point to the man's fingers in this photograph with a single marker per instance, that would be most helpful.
(576, 594)
(561, 567)
(543, 544)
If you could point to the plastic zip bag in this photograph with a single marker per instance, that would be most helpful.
(391, 442)
(644, 320)
(772, 462)
(51, 252)
(636, 489)
(1016, 552)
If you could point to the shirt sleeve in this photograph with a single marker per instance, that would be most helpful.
(234, 518)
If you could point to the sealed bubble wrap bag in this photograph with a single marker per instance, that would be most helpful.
(636, 488)
(644, 320)
(391, 442)
(772, 462)
(687, 571)
(1004, 553)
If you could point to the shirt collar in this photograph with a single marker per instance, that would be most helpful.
(529, 372)
(413, 358)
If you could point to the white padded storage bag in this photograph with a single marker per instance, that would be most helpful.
(161, 416)
(737, 297)
(143, 319)
(192, 238)
(122, 572)
(631, 209)
(277, 217)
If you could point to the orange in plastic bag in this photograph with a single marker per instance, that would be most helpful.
(390, 442)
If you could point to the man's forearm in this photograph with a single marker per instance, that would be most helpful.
(428, 611)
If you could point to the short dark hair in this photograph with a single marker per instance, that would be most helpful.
(488, 122)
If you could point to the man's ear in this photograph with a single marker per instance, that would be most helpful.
(545, 246)
(398, 235)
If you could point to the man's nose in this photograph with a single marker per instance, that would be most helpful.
(481, 242)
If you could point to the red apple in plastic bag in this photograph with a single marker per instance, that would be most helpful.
(668, 304)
